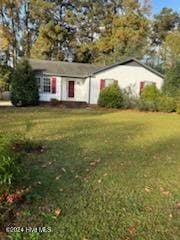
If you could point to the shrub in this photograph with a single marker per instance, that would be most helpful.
(13, 149)
(111, 97)
(24, 90)
(144, 105)
(8, 159)
(149, 98)
(166, 104)
(150, 93)
(129, 100)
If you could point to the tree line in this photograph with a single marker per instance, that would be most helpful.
(88, 31)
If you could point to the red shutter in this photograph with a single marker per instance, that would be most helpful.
(141, 86)
(116, 82)
(102, 84)
(53, 85)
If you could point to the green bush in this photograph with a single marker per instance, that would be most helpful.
(24, 90)
(8, 159)
(110, 97)
(150, 93)
(149, 98)
(144, 105)
(129, 100)
(166, 104)
(13, 148)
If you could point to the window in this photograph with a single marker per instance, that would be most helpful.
(38, 80)
(106, 82)
(144, 84)
(46, 85)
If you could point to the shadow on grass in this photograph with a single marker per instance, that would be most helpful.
(71, 176)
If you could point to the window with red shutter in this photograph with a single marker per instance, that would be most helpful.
(141, 87)
(53, 85)
(116, 82)
(102, 84)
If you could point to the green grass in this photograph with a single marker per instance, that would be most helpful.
(115, 175)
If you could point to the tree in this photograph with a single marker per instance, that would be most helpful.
(46, 45)
(5, 77)
(172, 80)
(127, 36)
(171, 48)
(24, 90)
(167, 20)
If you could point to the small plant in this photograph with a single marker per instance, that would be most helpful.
(166, 104)
(149, 98)
(111, 97)
(8, 159)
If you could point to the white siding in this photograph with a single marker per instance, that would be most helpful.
(127, 76)
(80, 93)
(46, 97)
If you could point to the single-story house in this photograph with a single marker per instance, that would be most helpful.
(81, 82)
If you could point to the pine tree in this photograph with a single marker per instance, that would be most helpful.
(24, 90)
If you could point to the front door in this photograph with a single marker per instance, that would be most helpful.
(71, 89)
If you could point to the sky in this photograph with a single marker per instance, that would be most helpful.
(157, 5)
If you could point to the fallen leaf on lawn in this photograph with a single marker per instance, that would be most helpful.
(170, 215)
(99, 181)
(63, 169)
(177, 205)
(105, 174)
(165, 193)
(57, 212)
(147, 189)
(132, 231)
(92, 163)
(58, 177)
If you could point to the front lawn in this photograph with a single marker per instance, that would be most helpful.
(105, 175)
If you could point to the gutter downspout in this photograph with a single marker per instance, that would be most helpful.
(89, 98)
(61, 89)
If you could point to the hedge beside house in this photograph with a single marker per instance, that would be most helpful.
(111, 97)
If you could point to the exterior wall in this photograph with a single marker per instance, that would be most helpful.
(46, 97)
(80, 89)
(127, 76)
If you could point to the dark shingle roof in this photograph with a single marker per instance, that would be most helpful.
(63, 68)
(81, 69)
